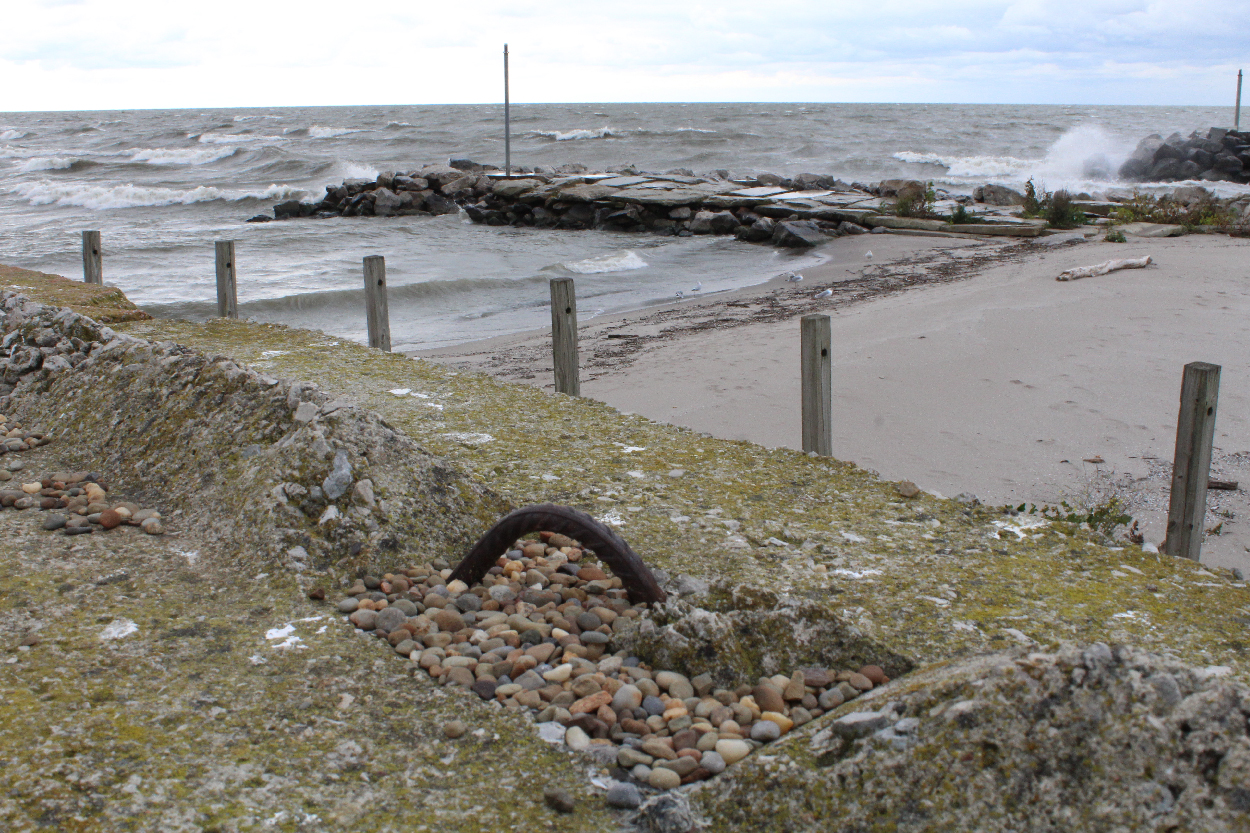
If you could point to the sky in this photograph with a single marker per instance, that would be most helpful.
(133, 54)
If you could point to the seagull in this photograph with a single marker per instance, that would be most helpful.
(793, 277)
(868, 256)
(825, 293)
(697, 286)
(680, 295)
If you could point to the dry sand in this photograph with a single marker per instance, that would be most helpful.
(1004, 384)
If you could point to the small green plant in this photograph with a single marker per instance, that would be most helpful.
(1114, 235)
(1103, 518)
(1147, 208)
(1061, 212)
(961, 216)
(913, 202)
(1057, 208)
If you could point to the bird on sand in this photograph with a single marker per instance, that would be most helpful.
(825, 293)
(793, 277)
(868, 256)
(697, 287)
(680, 295)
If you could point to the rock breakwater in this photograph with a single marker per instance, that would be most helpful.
(1219, 155)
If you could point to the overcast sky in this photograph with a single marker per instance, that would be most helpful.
(111, 54)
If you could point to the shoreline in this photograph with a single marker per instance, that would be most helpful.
(1088, 371)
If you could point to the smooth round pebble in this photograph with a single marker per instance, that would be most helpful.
(712, 762)
(663, 778)
(765, 730)
(455, 729)
(625, 795)
(732, 751)
(559, 800)
(653, 705)
(348, 605)
(576, 739)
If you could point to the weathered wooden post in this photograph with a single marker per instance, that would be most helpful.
(1237, 110)
(1191, 464)
(376, 312)
(564, 336)
(817, 394)
(227, 286)
(92, 259)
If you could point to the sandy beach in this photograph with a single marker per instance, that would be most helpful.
(961, 365)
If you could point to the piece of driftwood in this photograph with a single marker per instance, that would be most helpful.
(1104, 268)
(1226, 485)
(639, 583)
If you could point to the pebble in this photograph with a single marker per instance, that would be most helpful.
(713, 762)
(455, 729)
(560, 800)
(732, 751)
(765, 731)
(663, 778)
(576, 739)
(624, 795)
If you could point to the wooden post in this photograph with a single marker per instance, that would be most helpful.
(92, 259)
(1237, 111)
(564, 336)
(817, 364)
(227, 286)
(376, 312)
(1191, 464)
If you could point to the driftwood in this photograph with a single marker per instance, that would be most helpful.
(1104, 268)
(611, 549)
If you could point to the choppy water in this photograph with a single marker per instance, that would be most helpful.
(163, 185)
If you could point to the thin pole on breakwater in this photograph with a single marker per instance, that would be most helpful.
(508, 119)
(1237, 110)
(92, 259)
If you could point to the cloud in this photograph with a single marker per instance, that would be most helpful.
(128, 53)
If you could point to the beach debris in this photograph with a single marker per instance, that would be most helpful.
(1226, 485)
(1096, 460)
(824, 293)
(1104, 268)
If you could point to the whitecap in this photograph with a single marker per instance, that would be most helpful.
(622, 261)
(319, 132)
(48, 163)
(12, 135)
(101, 197)
(181, 156)
(972, 166)
(569, 135)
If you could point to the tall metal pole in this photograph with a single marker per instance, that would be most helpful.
(508, 120)
(1237, 112)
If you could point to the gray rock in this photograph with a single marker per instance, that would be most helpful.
(765, 731)
(712, 762)
(859, 724)
(668, 812)
(992, 194)
(797, 234)
(340, 477)
(386, 202)
(390, 619)
(653, 705)
(531, 680)
(624, 796)
(348, 605)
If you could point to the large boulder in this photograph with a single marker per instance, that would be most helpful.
(438, 204)
(1139, 162)
(797, 234)
(510, 189)
(992, 194)
(386, 203)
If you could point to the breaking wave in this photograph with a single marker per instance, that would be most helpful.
(101, 197)
(53, 163)
(622, 261)
(12, 135)
(181, 156)
(571, 135)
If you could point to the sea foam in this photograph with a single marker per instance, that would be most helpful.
(571, 135)
(623, 261)
(181, 156)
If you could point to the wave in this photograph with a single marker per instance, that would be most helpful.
(10, 152)
(12, 135)
(319, 132)
(222, 138)
(623, 261)
(971, 166)
(571, 135)
(694, 130)
(344, 170)
(54, 163)
(181, 156)
(394, 125)
(102, 197)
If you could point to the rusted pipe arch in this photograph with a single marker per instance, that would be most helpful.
(639, 583)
